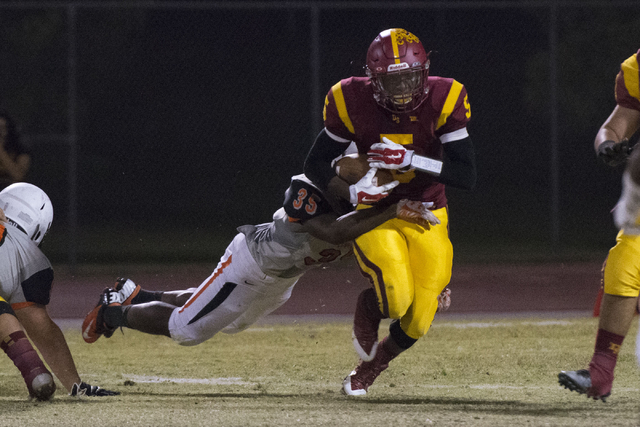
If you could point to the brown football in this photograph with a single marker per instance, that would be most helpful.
(353, 167)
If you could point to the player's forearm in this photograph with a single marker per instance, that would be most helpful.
(317, 165)
(622, 123)
(50, 341)
(354, 224)
(459, 164)
(605, 134)
(339, 188)
(56, 353)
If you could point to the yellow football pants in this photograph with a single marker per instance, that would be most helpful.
(622, 269)
(408, 266)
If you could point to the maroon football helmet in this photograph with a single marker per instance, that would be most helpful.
(398, 67)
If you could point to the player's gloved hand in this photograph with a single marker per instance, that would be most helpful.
(84, 389)
(444, 300)
(417, 212)
(389, 155)
(614, 153)
(366, 192)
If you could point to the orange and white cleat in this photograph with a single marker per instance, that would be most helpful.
(127, 290)
(93, 326)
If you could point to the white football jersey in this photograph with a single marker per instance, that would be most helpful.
(281, 251)
(25, 272)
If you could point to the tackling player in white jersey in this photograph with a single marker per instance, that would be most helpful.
(258, 271)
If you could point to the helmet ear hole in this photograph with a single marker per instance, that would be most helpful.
(36, 233)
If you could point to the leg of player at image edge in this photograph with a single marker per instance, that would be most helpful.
(596, 382)
(39, 380)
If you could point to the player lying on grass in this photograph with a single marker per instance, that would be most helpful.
(26, 278)
(258, 270)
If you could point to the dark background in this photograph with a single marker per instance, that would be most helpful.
(191, 119)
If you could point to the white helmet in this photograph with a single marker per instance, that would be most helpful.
(29, 208)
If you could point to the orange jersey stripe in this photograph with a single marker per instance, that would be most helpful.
(216, 273)
(19, 305)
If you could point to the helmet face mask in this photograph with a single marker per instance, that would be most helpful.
(401, 87)
(28, 208)
(398, 67)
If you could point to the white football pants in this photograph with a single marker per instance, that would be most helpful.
(234, 297)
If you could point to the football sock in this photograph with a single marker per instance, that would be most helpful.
(147, 296)
(369, 303)
(116, 316)
(604, 361)
(24, 356)
(401, 339)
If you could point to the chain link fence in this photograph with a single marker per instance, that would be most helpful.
(158, 127)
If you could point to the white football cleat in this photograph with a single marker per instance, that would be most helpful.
(348, 390)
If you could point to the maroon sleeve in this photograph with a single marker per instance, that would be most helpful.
(335, 114)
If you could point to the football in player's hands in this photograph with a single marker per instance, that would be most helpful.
(352, 168)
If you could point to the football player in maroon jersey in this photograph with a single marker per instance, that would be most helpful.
(621, 274)
(416, 126)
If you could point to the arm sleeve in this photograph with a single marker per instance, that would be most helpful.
(459, 164)
(317, 166)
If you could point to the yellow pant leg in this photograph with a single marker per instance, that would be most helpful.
(408, 266)
(383, 257)
(431, 264)
(622, 269)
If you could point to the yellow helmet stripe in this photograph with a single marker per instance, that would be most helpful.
(631, 76)
(341, 105)
(394, 44)
(450, 103)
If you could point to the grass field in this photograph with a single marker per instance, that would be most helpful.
(483, 372)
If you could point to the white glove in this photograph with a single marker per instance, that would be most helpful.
(417, 213)
(444, 300)
(366, 192)
(389, 155)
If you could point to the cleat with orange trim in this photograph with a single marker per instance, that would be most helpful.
(93, 326)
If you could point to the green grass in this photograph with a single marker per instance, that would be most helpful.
(500, 372)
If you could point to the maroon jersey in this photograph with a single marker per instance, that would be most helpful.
(352, 114)
(628, 83)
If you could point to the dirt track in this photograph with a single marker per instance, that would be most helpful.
(475, 288)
